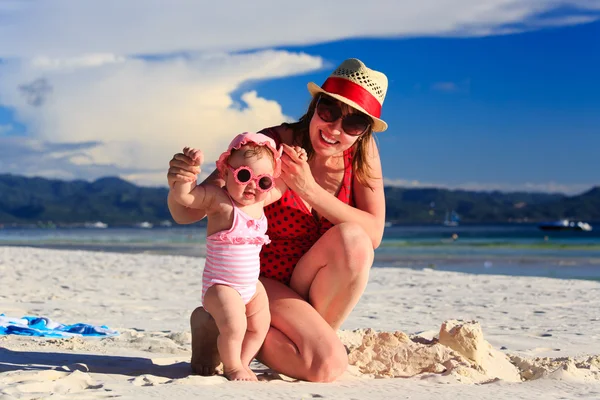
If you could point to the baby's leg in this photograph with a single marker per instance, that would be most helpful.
(259, 320)
(227, 308)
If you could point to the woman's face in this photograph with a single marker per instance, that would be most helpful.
(329, 138)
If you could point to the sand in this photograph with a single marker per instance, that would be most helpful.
(415, 334)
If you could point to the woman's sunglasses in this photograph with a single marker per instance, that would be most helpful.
(354, 124)
(243, 175)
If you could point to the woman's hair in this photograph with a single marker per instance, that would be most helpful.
(360, 165)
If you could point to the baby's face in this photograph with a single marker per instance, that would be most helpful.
(249, 192)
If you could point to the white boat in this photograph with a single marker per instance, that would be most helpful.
(144, 225)
(565, 225)
(96, 225)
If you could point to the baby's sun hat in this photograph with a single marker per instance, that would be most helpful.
(251, 137)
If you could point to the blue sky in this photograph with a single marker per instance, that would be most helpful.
(512, 104)
(513, 109)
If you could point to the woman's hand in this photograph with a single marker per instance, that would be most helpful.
(184, 167)
(295, 170)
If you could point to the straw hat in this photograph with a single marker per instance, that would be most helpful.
(358, 86)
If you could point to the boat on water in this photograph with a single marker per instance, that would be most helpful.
(452, 218)
(144, 225)
(96, 225)
(565, 225)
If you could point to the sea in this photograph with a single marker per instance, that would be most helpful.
(511, 249)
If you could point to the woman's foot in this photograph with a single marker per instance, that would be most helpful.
(205, 354)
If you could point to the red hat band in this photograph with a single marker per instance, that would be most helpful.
(355, 92)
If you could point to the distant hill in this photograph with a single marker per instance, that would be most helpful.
(114, 201)
(430, 206)
(110, 200)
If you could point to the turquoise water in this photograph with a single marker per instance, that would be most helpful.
(521, 250)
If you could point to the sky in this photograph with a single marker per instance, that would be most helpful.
(483, 94)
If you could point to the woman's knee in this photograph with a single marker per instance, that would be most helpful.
(328, 364)
(355, 247)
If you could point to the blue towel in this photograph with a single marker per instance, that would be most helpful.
(41, 326)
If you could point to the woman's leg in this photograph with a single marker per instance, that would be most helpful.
(300, 343)
(333, 274)
(205, 354)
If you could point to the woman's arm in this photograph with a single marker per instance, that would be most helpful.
(370, 202)
(280, 187)
(277, 192)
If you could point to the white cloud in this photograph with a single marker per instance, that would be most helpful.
(136, 112)
(87, 60)
(71, 28)
(546, 187)
(31, 157)
(563, 21)
(113, 87)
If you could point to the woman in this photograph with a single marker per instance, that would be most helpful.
(324, 229)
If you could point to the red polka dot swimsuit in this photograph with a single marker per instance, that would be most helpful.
(292, 228)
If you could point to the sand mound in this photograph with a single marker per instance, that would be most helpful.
(565, 368)
(466, 338)
(460, 351)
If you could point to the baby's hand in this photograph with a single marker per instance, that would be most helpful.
(195, 154)
(301, 153)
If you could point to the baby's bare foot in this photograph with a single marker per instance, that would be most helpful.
(252, 374)
(239, 374)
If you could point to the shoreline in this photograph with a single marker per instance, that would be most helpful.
(566, 267)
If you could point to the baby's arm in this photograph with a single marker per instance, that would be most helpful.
(280, 186)
(189, 193)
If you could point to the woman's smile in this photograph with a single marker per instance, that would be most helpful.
(328, 139)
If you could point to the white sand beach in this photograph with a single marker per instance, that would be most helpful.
(507, 337)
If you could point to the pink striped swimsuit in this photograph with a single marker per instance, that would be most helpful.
(232, 256)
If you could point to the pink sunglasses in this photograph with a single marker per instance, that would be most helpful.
(243, 175)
